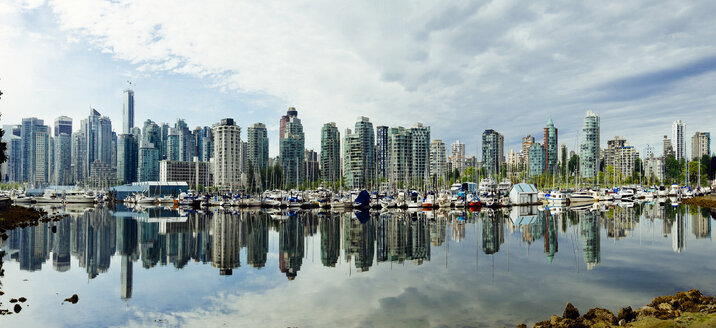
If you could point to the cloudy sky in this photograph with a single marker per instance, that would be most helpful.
(460, 67)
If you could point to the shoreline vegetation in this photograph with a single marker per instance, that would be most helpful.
(685, 309)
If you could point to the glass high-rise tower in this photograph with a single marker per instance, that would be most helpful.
(589, 155)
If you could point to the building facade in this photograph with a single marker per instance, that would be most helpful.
(677, 138)
(550, 147)
(193, 173)
(438, 162)
(382, 152)
(127, 111)
(421, 152)
(258, 146)
(700, 145)
(537, 159)
(589, 154)
(492, 151)
(330, 153)
(127, 158)
(227, 153)
(291, 149)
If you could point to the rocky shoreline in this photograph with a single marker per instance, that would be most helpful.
(685, 309)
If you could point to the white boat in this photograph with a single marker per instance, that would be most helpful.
(429, 200)
(487, 186)
(49, 198)
(503, 188)
(144, 200)
(166, 200)
(79, 197)
(23, 199)
(580, 197)
(557, 198)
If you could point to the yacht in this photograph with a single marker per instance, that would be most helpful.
(580, 197)
(49, 197)
(429, 200)
(487, 186)
(504, 187)
(79, 197)
(557, 198)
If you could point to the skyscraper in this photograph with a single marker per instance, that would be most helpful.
(42, 156)
(29, 129)
(550, 147)
(537, 159)
(421, 152)
(401, 155)
(63, 159)
(589, 155)
(492, 151)
(63, 124)
(127, 158)
(526, 144)
(79, 154)
(700, 145)
(291, 148)
(227, 153)
(353, 160)
(438, 163)
(382, 151)
(668, 148)
(127, 111)
(677, 137)
(364, 130)
(147, 162)
(257, 137)
(330, 153)
(457, 155)
(292, 112)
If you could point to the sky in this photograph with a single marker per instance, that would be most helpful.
(458, 66)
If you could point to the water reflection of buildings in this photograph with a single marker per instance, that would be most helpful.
(590, 233)
(492, 233)
(330, 240)
(405, 236)
(166, 237)
(678, 229)
(290, 246)
(227, 242)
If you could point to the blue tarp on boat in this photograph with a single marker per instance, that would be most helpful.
(363, 199)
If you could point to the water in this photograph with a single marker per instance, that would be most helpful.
(315, 269)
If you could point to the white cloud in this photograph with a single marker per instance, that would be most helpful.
(460, 68)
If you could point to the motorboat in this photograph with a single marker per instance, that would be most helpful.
(429, 200)
(557, 198)
(580, 197)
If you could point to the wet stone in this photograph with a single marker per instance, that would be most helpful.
(74, 299)
(17, 308)
(570, 312)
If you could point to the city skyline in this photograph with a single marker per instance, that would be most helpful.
(445, 75)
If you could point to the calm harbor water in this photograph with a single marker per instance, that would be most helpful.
(162, 267)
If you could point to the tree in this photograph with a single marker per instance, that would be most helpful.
(3, 146)
(573, 164)
(712, 168)
(672, 169)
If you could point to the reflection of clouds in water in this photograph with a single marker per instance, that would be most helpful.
(427, 295)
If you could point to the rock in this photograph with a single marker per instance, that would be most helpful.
(12, 300)
(22, 299)
(570, 312)
(599, 315)
(17, 308)
(646, 311)
(74, 299)
(665, 307)
(622, 322)
(522, 325)
(627, 314)
(554, 319)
